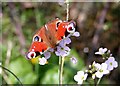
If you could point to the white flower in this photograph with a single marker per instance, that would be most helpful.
(111, 63)
(80, 77)
(102, 70)
(42, 61)
(101, 51)
(62, 51)
(97, 66)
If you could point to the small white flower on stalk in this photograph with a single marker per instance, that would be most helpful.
(111, 63)
(42, 61)
(102, 70)
(80, 77)
(101, 51)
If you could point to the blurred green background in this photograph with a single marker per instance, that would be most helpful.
(98, 24)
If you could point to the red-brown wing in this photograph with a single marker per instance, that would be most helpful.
(61, 30)
(38, 47)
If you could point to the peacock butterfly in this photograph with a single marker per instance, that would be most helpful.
(49, 35)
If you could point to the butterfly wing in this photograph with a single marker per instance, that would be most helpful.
(65, 28)
(43, 39)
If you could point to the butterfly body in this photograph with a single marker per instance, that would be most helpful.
(48, 36)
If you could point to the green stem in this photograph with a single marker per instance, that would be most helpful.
(98, 82)
(61, 63)
(94, 82)
(61, 59)
(12, 74)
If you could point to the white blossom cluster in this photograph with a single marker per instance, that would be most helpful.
(98, 70)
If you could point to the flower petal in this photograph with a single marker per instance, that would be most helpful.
(80, 77)
(80, 73)
(76, 34)
(101, 51)
(115, 64)
(104, 50)
(111, 59)
(57, 53)
(85, 76)
(47, 54)
(98, 53)
(62, 43)
(73, 60)
(105, 71)
(97, 66)
(42, 61)
(110, 67)
(67, 40)
(76, 78)
(104, 66)
(98, 74)
(80, 81)
(66, 48)
(51, 50)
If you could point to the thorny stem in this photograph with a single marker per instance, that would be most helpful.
(12, 74)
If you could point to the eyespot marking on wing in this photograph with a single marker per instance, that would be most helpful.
(37, 38)
(58, 23)
(71, 28)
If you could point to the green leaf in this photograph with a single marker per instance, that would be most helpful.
(51, 76)
(23, 70)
